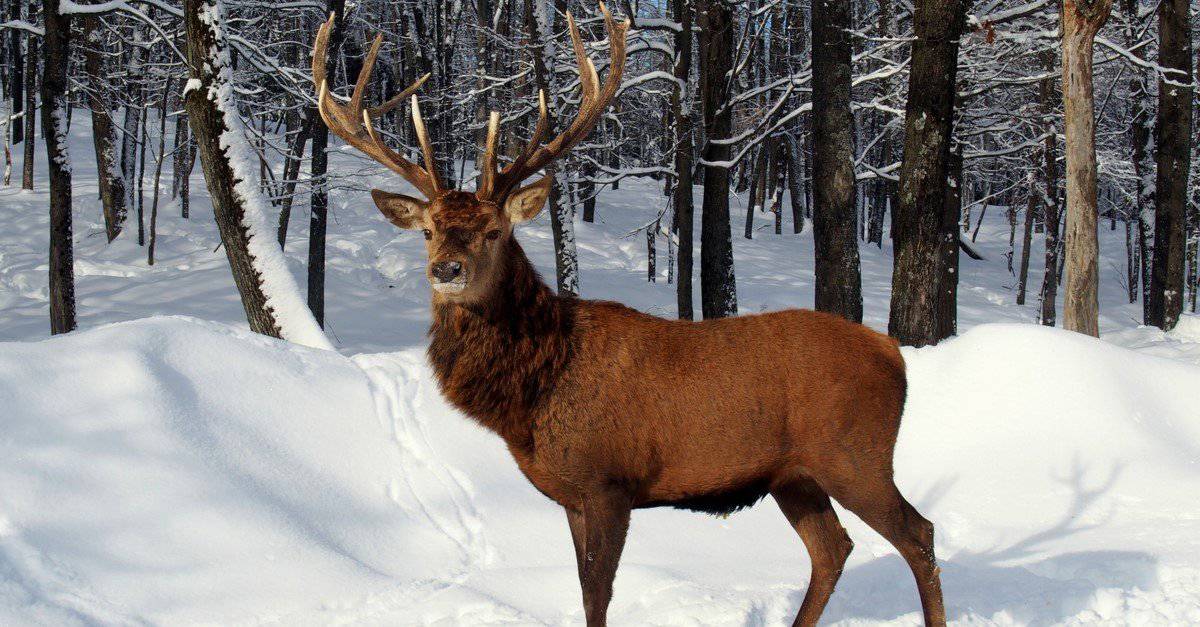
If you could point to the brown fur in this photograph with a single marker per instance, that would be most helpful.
(606, 409)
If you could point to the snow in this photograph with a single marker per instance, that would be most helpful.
(206, 474)
(175, 468)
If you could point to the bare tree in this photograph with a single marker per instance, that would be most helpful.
(1173, 136)
(1081, 21)
(928, 125)
(718, 288)
(838, 280)
(56, 52)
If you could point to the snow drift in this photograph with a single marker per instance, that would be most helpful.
(169, 470)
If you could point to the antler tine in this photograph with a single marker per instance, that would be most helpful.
(426, 146)
(592, 104)
(589, 81)
(487, 161)
(364, 74)
(398, 99)
(353, 123)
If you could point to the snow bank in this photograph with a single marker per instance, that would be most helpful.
(170, 470)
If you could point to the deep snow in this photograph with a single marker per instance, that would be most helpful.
(182, 470)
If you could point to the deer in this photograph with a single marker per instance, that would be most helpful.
(606, 409)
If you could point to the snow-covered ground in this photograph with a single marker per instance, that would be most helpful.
(172, 469)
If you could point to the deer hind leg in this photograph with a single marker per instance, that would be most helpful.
(808, 509)
(880, 505)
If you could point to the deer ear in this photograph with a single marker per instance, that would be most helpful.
(525, 203)
(405, 212)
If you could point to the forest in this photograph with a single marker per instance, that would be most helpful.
(236, 388)
(867, 120)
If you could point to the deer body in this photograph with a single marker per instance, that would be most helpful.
(700, 415)
(606, 409)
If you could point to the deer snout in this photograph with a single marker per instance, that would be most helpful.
(446, 271)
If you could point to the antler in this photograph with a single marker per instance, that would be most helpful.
(495, 185)
(352, 122)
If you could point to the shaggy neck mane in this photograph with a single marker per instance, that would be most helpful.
(495, 360)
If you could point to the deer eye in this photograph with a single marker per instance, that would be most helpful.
(426, 233)
(493, 234)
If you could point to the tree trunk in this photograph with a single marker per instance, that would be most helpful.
(57, 51)
(319, 168)
(928, 126)
(718, 285)
(108, 174)
(18, 66)
(158, 161)
(539, 20)
(188, 161)
(208, 124)
(291, 175)
(947, 296)
(31, 79)
(1172, 134)
(683, 202)
(838, 280)
(1081, 19)
(1026, 240)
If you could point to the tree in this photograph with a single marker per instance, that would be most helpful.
(269, 294)
(838, 282)
(718, 288)
(682, 201)
(319, 167)
(56, 51)
(928, 125)
(1081, 20)
(1172, 135)
(108, 172)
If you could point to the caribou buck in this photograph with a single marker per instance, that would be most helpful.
(606, 409)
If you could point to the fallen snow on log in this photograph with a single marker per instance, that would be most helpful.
(169, 470)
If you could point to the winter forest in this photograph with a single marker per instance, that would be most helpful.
(954, 174)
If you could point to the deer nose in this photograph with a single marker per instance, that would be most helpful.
(445, 271)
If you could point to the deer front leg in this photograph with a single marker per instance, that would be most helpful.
(605, 524)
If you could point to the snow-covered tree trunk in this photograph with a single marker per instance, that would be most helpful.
(104, 137)
(268, 291)
(1081, 20)
(838, 285)
(56, 50)
(1173, 134)
(928, 125)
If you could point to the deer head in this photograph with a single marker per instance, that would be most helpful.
(467, 233)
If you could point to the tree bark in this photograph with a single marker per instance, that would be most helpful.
(838, 279)
(319, 168)
(17, 77)
(682, 202)
(1026, 240)
(718, 285)
(947, 296)
(1172, 134)
(208, 124)
(1081, 20)
(55, 55)
(31, 79)
(104, 139)
(928, 126)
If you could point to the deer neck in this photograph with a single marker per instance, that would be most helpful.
(499, 360)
